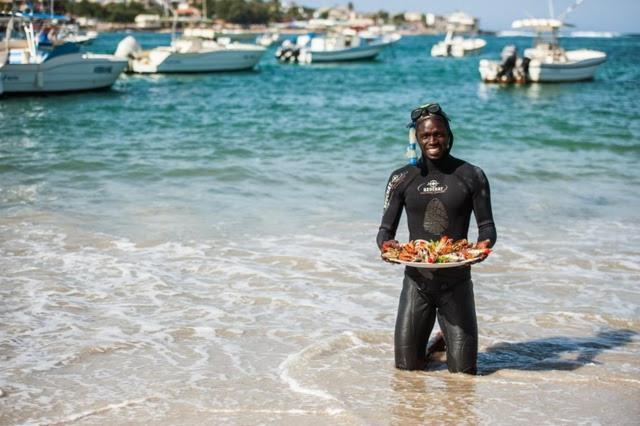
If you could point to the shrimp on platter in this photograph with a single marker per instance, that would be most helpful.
(444, 250)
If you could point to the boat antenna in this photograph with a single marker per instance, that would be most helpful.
(570, 9)
(174, 24)
(7, 38)
(550, 4)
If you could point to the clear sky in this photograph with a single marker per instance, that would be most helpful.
(591, 15)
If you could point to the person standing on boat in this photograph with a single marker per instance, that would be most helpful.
(45, 36)
(439, 193)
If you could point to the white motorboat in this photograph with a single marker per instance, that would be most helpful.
(265, 39)
(268, 38)
(82, 38)
(190, 55)
(72, 34)
(455, 43)
(30, 66)
(193, 53)
(346, 46)
(546, 61)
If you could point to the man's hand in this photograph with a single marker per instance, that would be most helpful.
(386, 246)
(390, 244)
(483, 244)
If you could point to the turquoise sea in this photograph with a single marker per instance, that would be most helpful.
(200, 248)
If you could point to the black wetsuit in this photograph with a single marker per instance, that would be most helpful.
(439, 197)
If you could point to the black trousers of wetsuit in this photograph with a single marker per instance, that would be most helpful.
(454, 305)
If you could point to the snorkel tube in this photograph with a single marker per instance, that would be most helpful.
(411, 148)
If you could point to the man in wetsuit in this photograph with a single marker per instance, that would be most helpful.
(438, 194)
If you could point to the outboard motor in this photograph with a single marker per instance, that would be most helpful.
(283, 48)
(525, 67)
(288, 52)
(509, 57)
(127, 48)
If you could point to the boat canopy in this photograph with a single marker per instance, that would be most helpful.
(34, 16)
(539, 24)
(461, 18)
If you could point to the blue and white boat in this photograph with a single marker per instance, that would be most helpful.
(29, 65)
(345, 46)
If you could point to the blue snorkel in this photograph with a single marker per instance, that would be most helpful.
(411, 148)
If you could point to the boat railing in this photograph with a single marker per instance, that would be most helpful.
(546, 53)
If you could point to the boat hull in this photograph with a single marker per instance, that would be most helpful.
(165, 61)
(584, 69)
(241, 36)
(458, 50)
(65, 73)
(359, 53)
(580, 65)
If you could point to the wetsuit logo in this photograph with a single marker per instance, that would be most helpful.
(432, 187)
(394, 182)
(436, 219)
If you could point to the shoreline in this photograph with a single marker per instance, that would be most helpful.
(114, 27)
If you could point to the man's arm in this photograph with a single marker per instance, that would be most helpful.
(393, 204)
(482, 209)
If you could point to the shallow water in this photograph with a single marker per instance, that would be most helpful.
(189, 249)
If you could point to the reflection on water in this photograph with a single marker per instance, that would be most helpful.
(427, 398)
(532, 91)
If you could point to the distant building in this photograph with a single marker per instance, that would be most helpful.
(457, 21)
(435, 23)
(184, 9)
(413, 17)
(462, 21)
(429, 19)
(361, 22)
(339, 14)
(148, 22)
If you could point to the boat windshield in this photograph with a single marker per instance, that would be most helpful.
(546, 40)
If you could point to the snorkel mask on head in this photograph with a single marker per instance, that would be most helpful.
(427, 110)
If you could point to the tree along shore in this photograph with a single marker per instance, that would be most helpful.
(242, 12)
